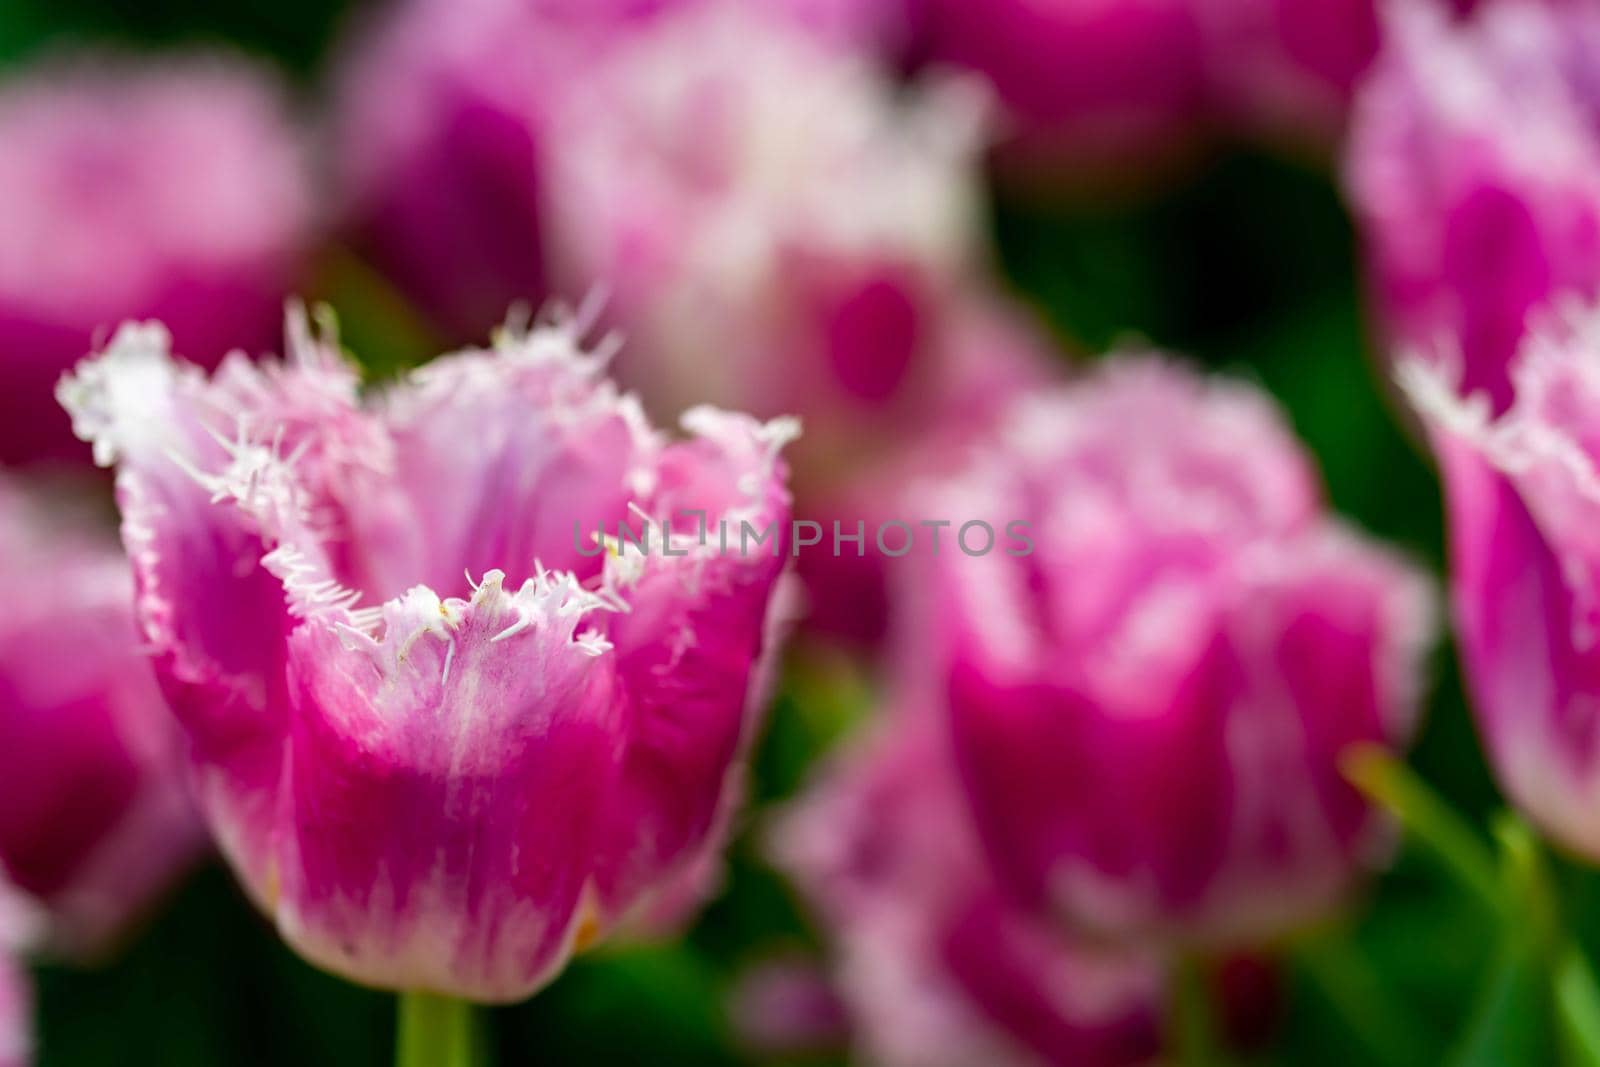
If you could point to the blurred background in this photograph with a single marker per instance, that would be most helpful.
(1230, 245)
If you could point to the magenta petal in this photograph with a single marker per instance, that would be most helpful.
(420, 846)
(689, 648)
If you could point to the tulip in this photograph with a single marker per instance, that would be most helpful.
(442, 136)
(1150, 700)
(97, 819)
(1079, 82)
(1519, 492)
(174, 188)
(449, 790)
(1474, 171)
(824, 232)
(934, 963)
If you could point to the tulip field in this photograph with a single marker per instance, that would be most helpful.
(811, 533)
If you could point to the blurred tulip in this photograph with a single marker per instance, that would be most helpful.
(751, 184)
(1150, 701)
(935, 966)
(1520, 490)
(1080, 82)
(445, 792)
(97, 819)
(439, 118)
(174, 188)
(442, 133)
(1474, 169)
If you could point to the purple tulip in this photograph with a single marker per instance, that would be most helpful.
(1151, 699)
(449, 790)
(1474, 168)
(174, 188)
(936, 967)
(97, 819)
(1520, 490)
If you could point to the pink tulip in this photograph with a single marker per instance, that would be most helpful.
(749, 176)
(97, 819)
(174, 188)
(1151, 700)
(1078, 81)
(935, 965)
(1474, 168)
(1520, 493)
(442, 135)
(446, 791)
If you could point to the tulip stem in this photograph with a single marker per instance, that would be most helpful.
(1192, 1038)
(1392, 785)
(434, 1031)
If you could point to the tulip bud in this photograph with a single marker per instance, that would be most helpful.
(1522, 509)
(173, 188)
(97, 819)
(1474, 171)
(448, 790)
(935, 965)
(1151, 699)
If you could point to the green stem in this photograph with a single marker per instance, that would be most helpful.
(1192, 1039)
(1395, 787)
(434, 1031)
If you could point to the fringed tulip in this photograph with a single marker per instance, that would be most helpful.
(449, 789)
(174, 188)
(1151, 699)
(1079, 82)
(935, 965)
(823, 231)
(1521, 494)
(97, 818)
(1474, 169)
